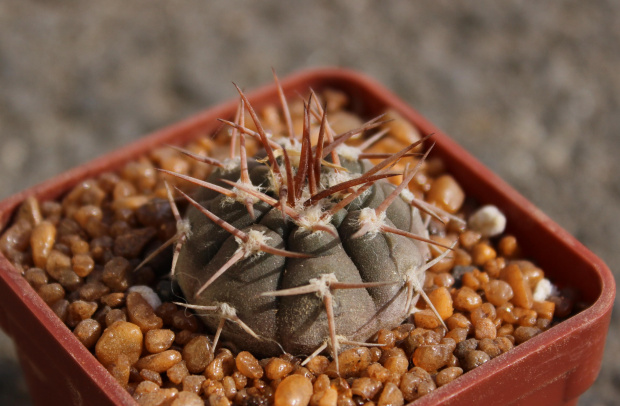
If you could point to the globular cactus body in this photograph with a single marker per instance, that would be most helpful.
(346, 262)
(299, 322)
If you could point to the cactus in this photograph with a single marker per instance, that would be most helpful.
(303, 246)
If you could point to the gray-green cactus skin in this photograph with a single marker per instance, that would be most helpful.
(298, 324)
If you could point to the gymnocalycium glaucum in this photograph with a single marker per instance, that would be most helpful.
(303, 246)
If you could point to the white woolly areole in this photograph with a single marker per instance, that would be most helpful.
(312, 216)
(252, 245)
(334, 178)
(407, 195)
(242, 196)
(293, 149)
(148, 294)
(231, 164)
(488, 221)
(184, 227)
(227, 310)
(305, 195)
(273, 182)
(322, 283)
(348, 152)
(544, 289)
(369, 219)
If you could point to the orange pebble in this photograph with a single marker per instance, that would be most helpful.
(544, 309)
(498, 292)
(277, 368)
(248, 365)
(508, 246)
(520, 286)
(467, 299)
(446, 194)
(42, 241)
(121, 338)
(426, 319)
(160, 362)
(482, 253)
(293, 390)
(442, 300)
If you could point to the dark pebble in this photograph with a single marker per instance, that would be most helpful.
(458, 271)
(131, 244)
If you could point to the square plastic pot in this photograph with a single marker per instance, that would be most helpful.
(553, 368)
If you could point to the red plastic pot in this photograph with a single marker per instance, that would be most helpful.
(553, 368)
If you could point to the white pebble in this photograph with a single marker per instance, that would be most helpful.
(544, 289)
(488, 221)
(148, 294)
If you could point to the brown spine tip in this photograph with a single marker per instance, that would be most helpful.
(261, 132)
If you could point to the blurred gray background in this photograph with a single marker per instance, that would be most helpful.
(530, 88)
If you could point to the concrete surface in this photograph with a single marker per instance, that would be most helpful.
(530, 88)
